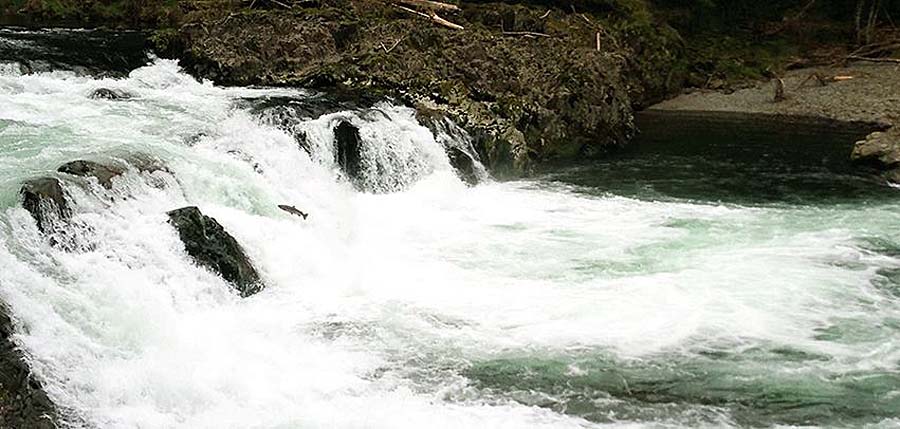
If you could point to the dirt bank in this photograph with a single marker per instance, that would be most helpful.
(855, 93)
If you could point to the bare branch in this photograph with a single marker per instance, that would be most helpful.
(428, 4)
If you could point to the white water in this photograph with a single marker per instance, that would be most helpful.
(376, 304)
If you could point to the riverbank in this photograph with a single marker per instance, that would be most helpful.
(856, 94)
(532, 83)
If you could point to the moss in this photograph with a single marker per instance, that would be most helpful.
(166, 40)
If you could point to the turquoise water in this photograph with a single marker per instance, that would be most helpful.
(671, 287)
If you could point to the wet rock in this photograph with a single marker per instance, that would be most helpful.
(45, 199)
(103, 173)
(193, 139)
(109, 94)
(880, 149)
(293, 210)
(348, 146)
(310, 106)
(146, 163)
(23, 402)
(464, 165)
(212, 247)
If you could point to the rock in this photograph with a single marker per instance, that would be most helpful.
(45, 199)
(348, 145)
(212, 247)
(892, 176)
(448, 134)
(23, 401)
(103, 173)
(293, 210)
(464, 165)
(109, 94)
(881, 149)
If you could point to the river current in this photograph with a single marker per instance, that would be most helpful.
(658, 290)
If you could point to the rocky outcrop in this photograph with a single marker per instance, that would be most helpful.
(347, 150)
(23, 402)
(103, 173)
(213, 248)
(46, 200)
(527, 97)
(880, 150)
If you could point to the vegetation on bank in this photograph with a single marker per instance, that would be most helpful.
(725, 42)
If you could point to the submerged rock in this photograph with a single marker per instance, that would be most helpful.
(23, 401)
(109, 94)
(464, 165)
(212, 247)
(45, 199)
(348, 146)
(103, 173)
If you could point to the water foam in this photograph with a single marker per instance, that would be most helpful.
(378, 304)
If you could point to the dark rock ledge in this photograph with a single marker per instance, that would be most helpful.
(207, 242)
(23, 402)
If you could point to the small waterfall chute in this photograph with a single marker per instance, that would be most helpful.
(377, 148)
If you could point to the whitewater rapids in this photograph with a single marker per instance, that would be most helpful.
(421, 307)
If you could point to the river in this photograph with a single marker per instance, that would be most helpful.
(668, 288)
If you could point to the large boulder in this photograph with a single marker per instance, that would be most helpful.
(23, 401)
(45, 199)
(103, 173)
(880, 148)
(212, 247)
(348, 146)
